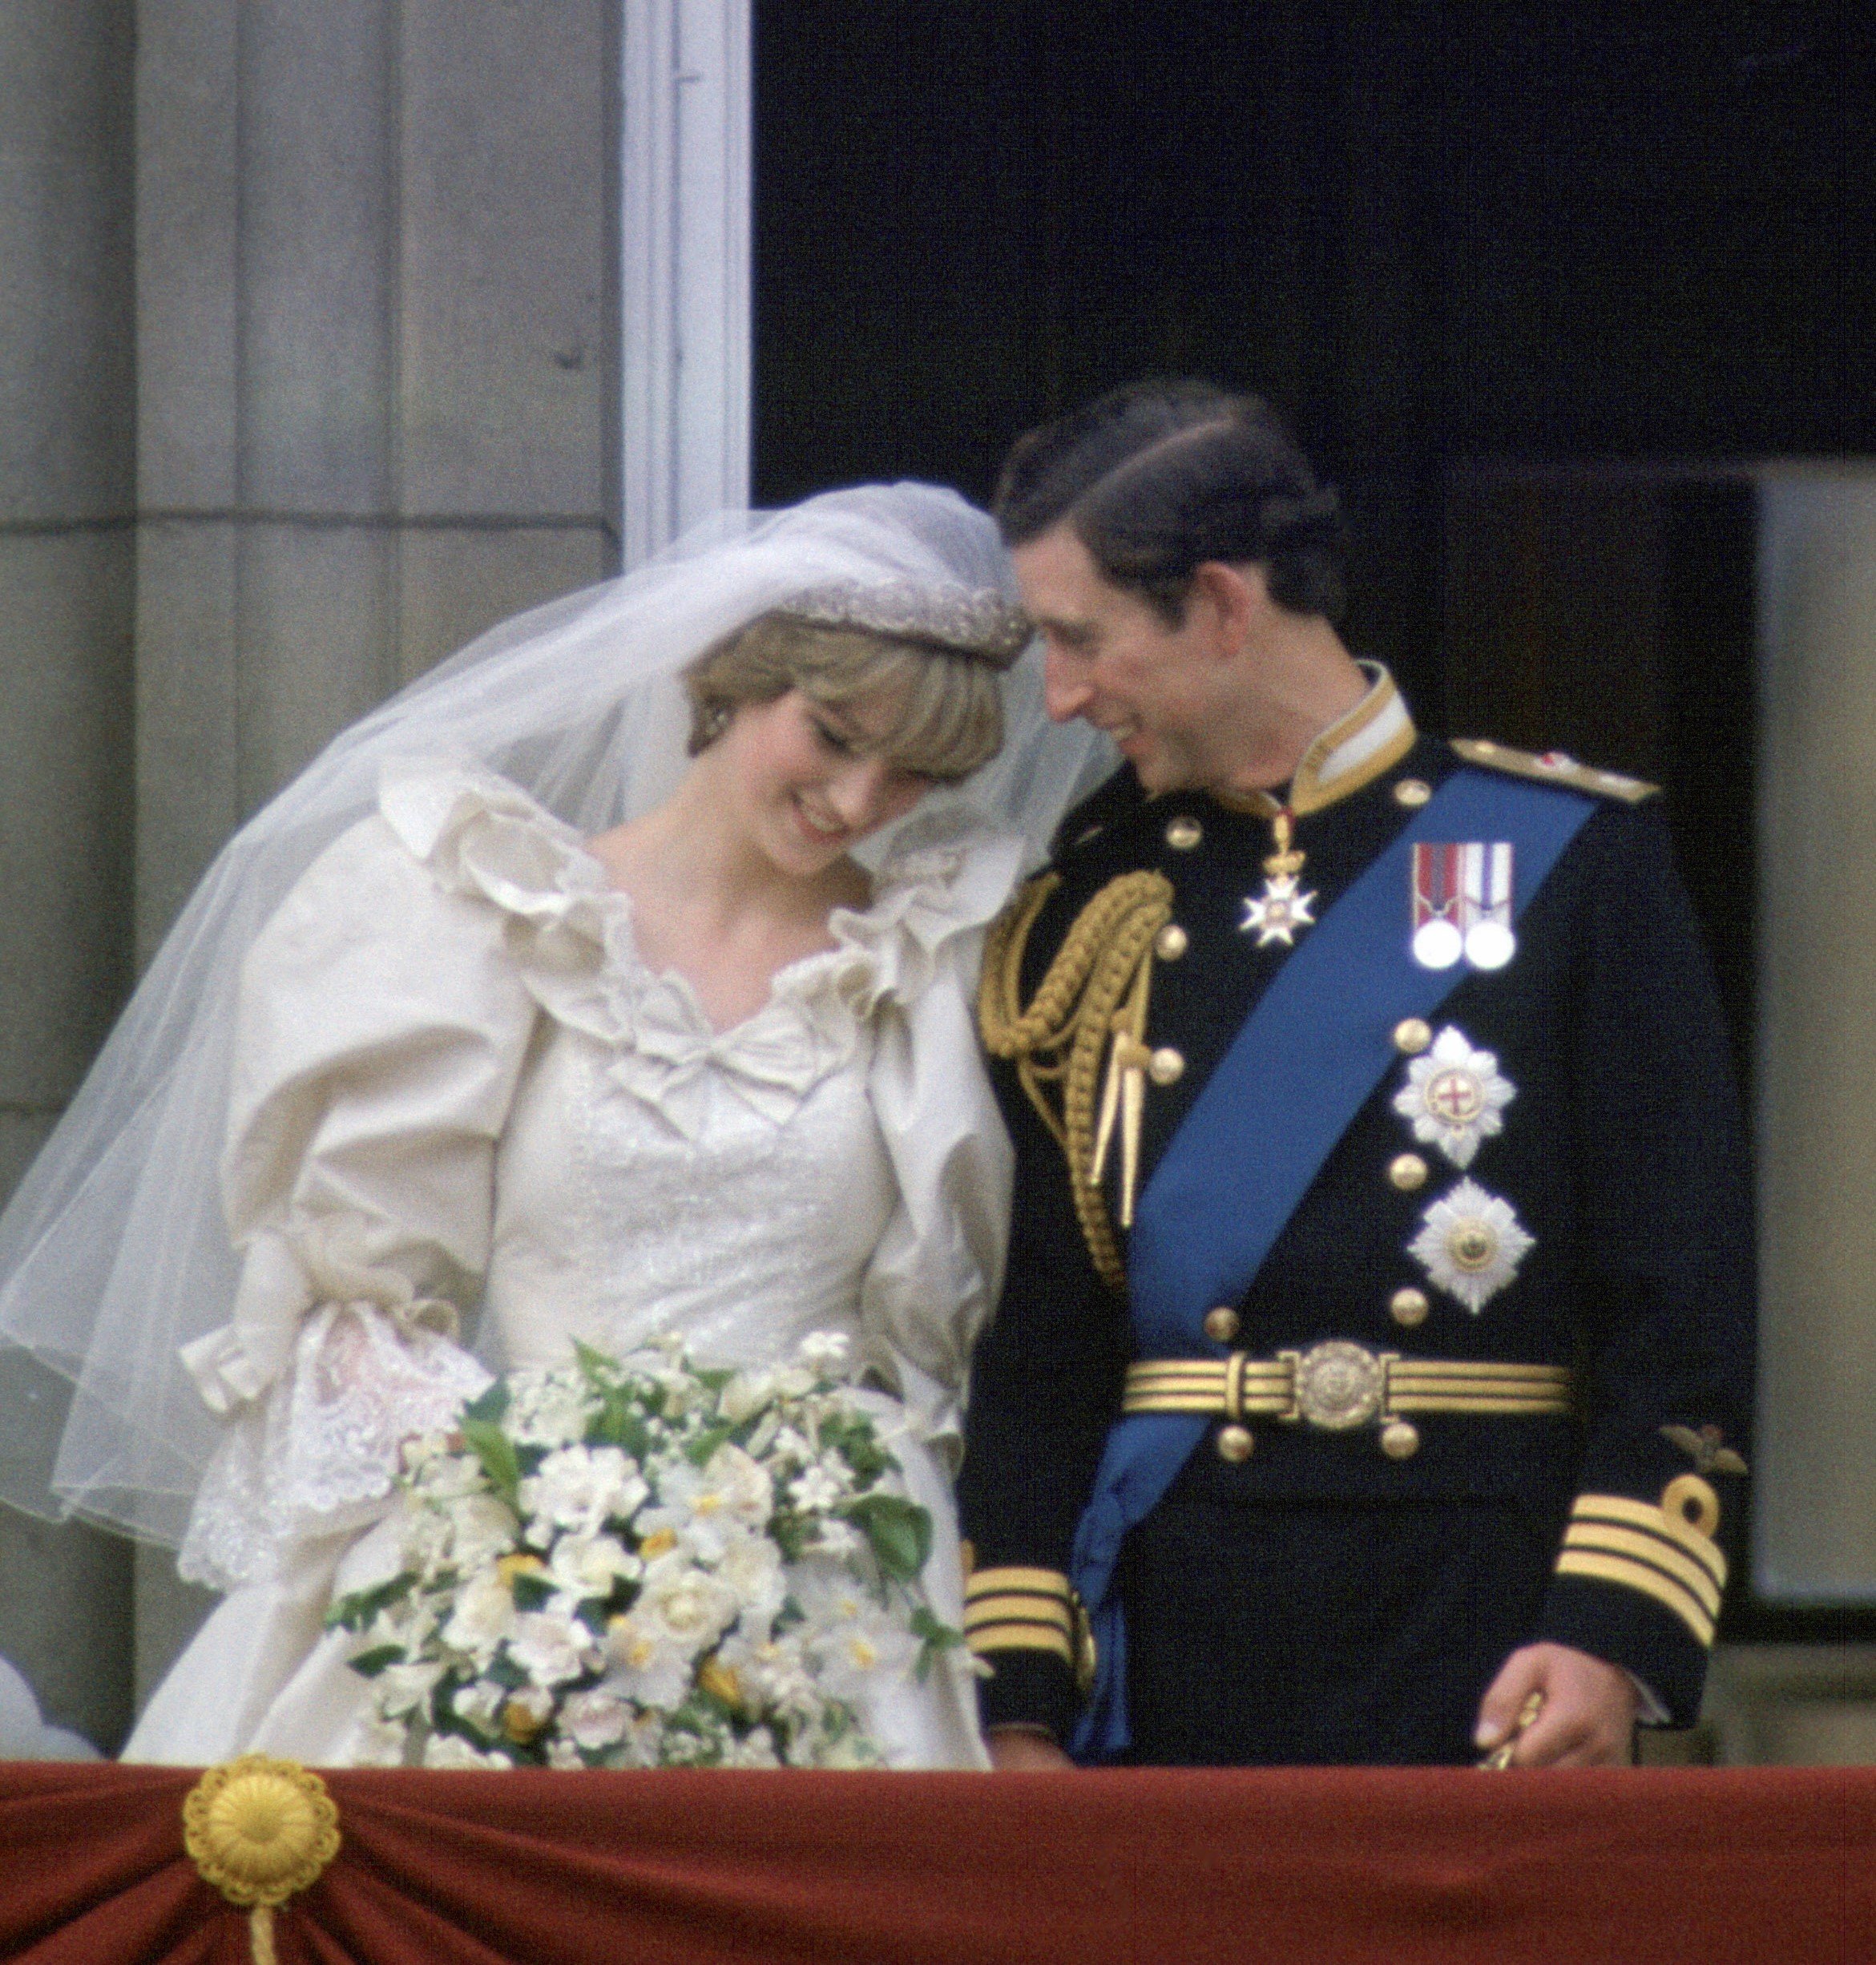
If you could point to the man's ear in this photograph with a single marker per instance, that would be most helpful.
(1228, 600)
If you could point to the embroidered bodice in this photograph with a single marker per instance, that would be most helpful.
(461, 1097)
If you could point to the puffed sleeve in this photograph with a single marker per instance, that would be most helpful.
(936, 1272)
(381, 1031)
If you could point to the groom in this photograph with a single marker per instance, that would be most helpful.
(1371, 1372)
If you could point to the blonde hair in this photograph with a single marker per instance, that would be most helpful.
(950, 711)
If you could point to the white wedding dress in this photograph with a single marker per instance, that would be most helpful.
(457, 1085)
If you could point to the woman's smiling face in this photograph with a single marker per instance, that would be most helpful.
(809, 781)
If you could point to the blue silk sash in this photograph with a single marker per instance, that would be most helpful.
(1310, 1054)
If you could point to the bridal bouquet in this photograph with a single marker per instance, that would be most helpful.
(645, 1564)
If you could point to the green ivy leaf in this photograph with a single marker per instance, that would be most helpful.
(368, 1664)
(488, 1407)
(496, 1451)
(353, 1612)
(899, 1532)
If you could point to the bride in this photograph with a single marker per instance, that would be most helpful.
(503, 1026)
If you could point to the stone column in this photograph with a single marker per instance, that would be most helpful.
(67, 405)
(1815, 1495)
(378, 394)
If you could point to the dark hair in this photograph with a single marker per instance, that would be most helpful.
(1158, 477)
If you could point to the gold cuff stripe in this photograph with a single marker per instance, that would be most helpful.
(1654, 1550)
(1640, 1577)
(1620, 1511)
(1028, 1582)
(1019, 1637)
(1013, 1609)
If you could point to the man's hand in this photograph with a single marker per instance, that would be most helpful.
(1588, 1715)
(1024, 1750)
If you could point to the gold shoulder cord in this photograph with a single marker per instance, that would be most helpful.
(1093, 999)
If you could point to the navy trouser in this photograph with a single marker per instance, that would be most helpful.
(1311, 1632)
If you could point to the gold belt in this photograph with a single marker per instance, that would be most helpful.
(1338, 1385)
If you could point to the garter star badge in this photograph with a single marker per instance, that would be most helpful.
(1454, 1096)
(1277, 912)
(1471, 1244)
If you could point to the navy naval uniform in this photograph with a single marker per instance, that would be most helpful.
(1424, 1437)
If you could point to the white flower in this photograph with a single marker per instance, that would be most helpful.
(375, 1741)
(482, 1526)
(815, 1490)
(482, 1618)
(751, 1566)
(453, 1750)
(527, 1712)
(756, 1750)
(651, 1665)
(775, 1675)
(825, 1351)
(586, 1567)
(1454, 1096)
(1471, 1244)
(595, 1719)
(551, 1649)
(694, 1606)
(549, 1411)
(836, 1537)
(790, 1445)
(708, 1507)
(402, 1688)
(746, 1395)
(579, 1488)
(855, 1645)
(450, 1474)
(564, 1753)
(480, 1704)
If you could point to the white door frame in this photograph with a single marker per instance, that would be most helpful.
(685, 266)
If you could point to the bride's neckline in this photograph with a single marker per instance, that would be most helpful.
(624, 905)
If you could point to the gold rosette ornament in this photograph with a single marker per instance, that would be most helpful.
(261, 1830)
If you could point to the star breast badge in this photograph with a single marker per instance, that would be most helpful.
(1454, 1096)
(1471, 1244)
(1277, 912)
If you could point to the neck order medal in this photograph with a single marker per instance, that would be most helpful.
(1277, 912)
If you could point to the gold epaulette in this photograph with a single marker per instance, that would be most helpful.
(1092, 1000)
(1553, 767)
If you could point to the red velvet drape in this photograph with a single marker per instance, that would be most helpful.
(1309, 1867)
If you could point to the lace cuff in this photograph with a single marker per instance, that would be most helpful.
(320, 1455)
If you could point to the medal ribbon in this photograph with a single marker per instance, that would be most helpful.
(1319, 1041)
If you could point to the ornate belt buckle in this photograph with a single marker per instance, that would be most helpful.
(1339, 1384)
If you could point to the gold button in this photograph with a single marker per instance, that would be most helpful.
(1171, 942)
(1400, 1441)
(1408, 1171)
(1221, 1325)
(1412, 791)
(1183, 834)
(1166, 1067)
(1235, 1443)
(1409, 1307)
(1412, 1035)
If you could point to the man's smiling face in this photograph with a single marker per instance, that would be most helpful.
(1112, 659)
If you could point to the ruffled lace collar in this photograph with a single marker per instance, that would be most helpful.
(570, 932)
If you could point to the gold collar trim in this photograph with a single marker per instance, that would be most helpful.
(1353, 752)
